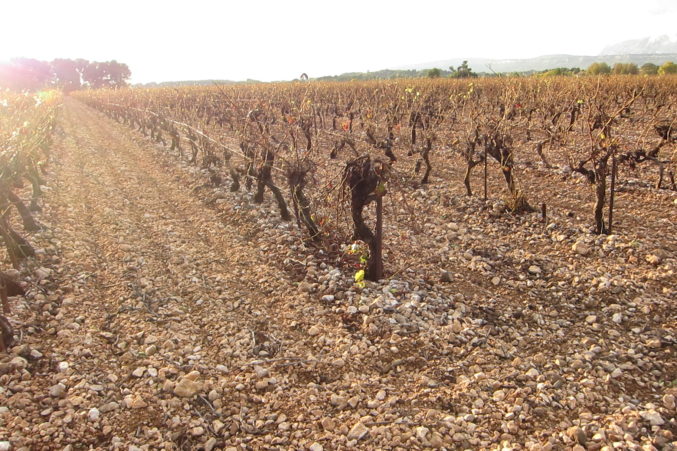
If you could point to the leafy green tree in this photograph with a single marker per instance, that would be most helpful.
(625, 69)
(559, 71)
(599, 69)
(648, 69)
(462, 71)
(434, 73)
(667, 68)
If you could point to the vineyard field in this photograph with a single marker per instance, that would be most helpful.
(407, 264)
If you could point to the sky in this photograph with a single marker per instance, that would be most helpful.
(279, 40)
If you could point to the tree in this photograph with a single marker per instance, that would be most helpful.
(434, 73)
(560, 71)
(625, 69)
(117, 74)
(66, 74)
(667, 68)
(25, 74)
(93, 75)
(599, 69)
(462, 71)
(648, 69)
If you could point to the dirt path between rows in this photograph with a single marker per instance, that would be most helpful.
(161, 322)
(151, 280)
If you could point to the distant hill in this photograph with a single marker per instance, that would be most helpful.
(643, 46)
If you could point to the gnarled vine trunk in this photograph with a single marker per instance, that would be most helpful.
(365, 178)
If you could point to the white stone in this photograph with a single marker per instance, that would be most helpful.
(652, 417)
(358, 431)
(581, 248)
(422, 433)
(57, 391)
(93, 414)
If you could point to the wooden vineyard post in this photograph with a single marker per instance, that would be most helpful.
(613, 188)
(3, 296)
(377, 261)
(485, 173)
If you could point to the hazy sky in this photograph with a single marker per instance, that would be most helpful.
(279, 40)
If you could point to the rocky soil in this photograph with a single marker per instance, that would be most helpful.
(165, 314)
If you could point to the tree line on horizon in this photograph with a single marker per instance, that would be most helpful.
(27, 74)
(465, 71)
(669, 67)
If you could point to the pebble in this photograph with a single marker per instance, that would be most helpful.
(42, 273)
(358, 431)
(422, 433)
(57, 391)
(134, 402)
(581, 248)
(314, 330)
(261, 372)
(93, 414)
(577, 434)
(653, 259)
(653, 417)
(187, 387)
(328, 424)
(210, 444)
(533, 269)
(18, 363)
(109, 407)
(316, 447)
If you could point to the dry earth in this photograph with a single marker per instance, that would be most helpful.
(163, 314)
